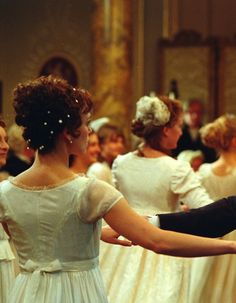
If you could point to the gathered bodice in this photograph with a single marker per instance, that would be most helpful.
(59, 223)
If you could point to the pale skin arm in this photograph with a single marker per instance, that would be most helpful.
(126, 222)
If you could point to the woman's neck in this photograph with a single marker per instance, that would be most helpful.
(225, 164)
(79, 165)
(48, 169)
(53, 159)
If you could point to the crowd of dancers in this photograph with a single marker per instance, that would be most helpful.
(76, 183)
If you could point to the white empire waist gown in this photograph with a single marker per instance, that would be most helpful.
(151, 186)
(56, 232)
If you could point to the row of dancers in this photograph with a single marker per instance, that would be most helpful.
(154, 182)
(53, 215)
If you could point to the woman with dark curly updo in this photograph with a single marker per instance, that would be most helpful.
(45, 109)
(54, 215)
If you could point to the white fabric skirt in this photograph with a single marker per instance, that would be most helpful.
(214, 278)
(59, 287)
(7, 273)
(136, 275)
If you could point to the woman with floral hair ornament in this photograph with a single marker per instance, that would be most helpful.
(54, 215)
(152, 182)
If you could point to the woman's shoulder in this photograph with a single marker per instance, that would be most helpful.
(181, 171)
(98, 166)
(205, 169)
(172, 164)
(124, 159)
(184, 180)
(101, 171)
(5, 184)
(134, 157)
(171, 160)
(180, 168)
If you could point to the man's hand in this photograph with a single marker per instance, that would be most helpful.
(111, 236)
(184, 207)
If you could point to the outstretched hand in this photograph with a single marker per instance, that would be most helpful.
(109, 235)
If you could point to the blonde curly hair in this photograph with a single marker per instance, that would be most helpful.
(219, 133)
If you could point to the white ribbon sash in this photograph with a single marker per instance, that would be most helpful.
(55, 266)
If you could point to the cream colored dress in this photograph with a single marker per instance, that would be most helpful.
(151, 185)
(215, 276)
(101, 171)
(7, 274)
(56, 231)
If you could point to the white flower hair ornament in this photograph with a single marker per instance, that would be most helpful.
(151, 110)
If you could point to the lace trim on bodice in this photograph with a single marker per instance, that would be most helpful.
(44, 187)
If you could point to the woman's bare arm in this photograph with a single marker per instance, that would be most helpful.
(135, 228)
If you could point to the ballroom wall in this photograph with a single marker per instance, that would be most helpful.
(165, 18)
(32, 32)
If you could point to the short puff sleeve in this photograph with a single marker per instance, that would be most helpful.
(97, 200)
(187, 185)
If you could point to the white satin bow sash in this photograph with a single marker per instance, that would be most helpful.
(36, 269)
(55, 266)
(31, 266)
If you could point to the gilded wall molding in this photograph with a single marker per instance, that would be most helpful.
(170, 21)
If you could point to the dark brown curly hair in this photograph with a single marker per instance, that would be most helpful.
(45, 107)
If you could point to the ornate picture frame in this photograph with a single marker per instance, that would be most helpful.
(227, 77)
(61, 67)
(191, 62)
